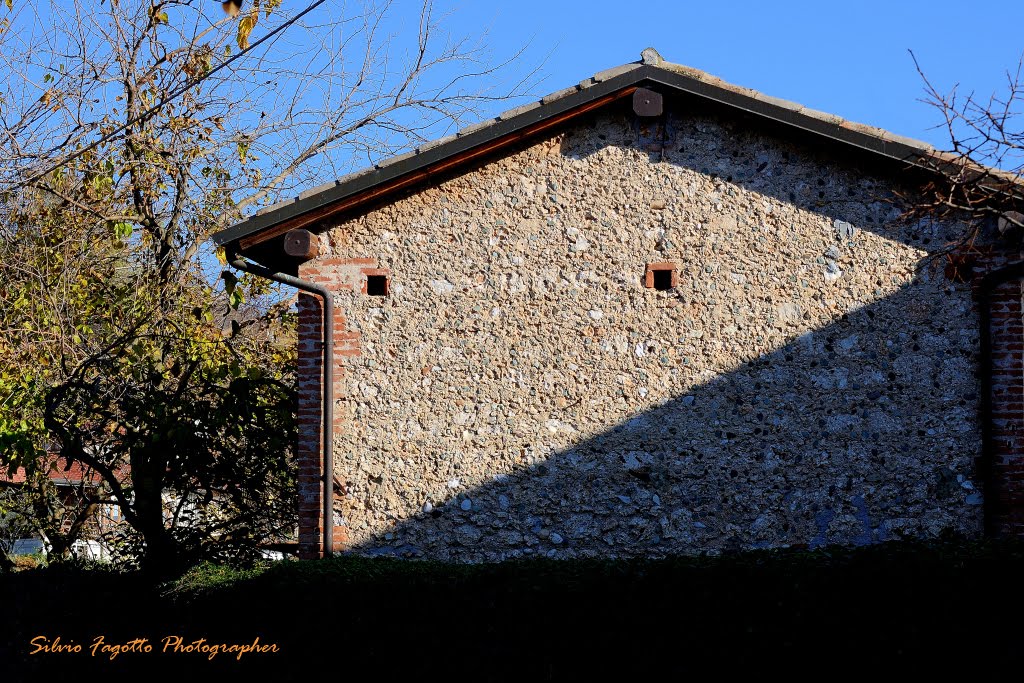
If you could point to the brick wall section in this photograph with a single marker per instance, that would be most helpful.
(338, 275)
(1005, 497)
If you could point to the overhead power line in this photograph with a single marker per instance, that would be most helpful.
(167, 98)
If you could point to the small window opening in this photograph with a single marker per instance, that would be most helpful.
(661, 276)
(377, 285)
(663, 279)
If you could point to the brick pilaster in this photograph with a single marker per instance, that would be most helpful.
(333, 274)
(310, 408)
(1005, 492)
(1001, 467)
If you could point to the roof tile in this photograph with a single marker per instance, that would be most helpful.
(609, 74)
(904, 140)
(434, 143)
(392, 160)
(559, 94)
(778, 102)
(317, 190)
(474, 127)
(822, 116)
(512, 113)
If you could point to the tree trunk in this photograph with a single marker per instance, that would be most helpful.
(160, 554)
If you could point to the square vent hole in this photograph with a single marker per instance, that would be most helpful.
(377, 285)
(663, 279)
(661, 276)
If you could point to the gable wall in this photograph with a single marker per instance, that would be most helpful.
(520, 392)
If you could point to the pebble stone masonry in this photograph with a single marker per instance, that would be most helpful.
(519, 391)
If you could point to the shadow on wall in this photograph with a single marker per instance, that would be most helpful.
(863, 430)
(869, 434)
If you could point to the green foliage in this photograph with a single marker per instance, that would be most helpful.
(128, 140)
(208, 577)
(118, 351)
(26, 562)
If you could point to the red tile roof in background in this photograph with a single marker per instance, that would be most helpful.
(59, 472)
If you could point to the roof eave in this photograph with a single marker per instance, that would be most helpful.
(507, 124)
(393, 174)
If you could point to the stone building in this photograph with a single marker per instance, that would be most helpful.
(652, 313)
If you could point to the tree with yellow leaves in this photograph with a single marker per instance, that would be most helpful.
(129, 133)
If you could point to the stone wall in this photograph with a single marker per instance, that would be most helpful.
(519, 391)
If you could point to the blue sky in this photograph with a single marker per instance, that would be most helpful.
(849, 59)
(846, 58)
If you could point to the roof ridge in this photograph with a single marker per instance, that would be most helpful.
(651, 60)
(652, 67)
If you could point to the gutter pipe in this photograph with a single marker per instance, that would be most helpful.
(240, 263)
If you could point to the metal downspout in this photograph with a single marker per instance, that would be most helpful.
(239, 262)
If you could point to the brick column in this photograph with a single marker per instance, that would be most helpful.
(310, 409)
(334, 274)
(1005, 486)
